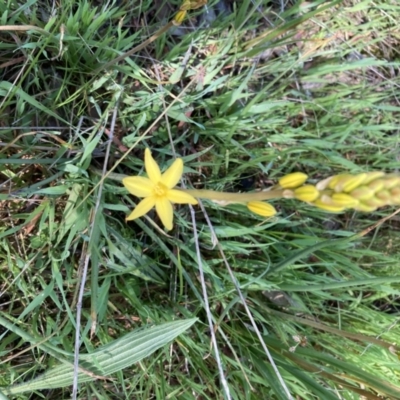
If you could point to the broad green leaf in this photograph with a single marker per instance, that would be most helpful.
(108, 359)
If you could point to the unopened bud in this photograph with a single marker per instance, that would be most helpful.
(391, 181)
(375, 202)
(362, 193)
(395, 196)
(376, 185)
(365, 207)
(371, 176)
(394, 200)
(383, 195)
(350, 183)
(307, 193)
(293, 180)
(179, 17)
(328, 206)
(395, 192)
(336, 179)
(261, 208)
(344, 200)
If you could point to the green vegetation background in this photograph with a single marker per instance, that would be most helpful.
(306, 303)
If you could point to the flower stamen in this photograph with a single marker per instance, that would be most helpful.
(160, 190)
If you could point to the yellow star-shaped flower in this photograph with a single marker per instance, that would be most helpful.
(157, 190)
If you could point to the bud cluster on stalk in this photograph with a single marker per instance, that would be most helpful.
(362, 192)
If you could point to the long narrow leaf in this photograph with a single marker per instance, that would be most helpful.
(113, 357)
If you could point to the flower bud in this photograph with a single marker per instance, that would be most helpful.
(362, 193)
(391, 181)
(336, 179)
(344, 200)
(349, 183)
(375, 202)
(395, 192)
(371, 176)
(293, 180)
(327, 206)
(383, 195)
(376, 185)
(261, 208)
(365, 207)
(307, 193)
(395, 200)
(394, 196)
(179, 17)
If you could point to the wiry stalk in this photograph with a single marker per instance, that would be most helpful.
(228, 197)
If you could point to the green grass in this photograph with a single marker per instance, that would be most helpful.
(304, 304)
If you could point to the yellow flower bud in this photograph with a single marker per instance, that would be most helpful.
(391, 181)
(328, 207)
(293, 180)
(179, 17)
(362, 193)
(375, 202)
(261, 208)
(383, 195)
(336, 179)
(394, 200)
(395, 192)
(376, 185)
(349, 183)
(394, 196)
(344, 200)
(371, 176)
(306, 193)
(365, 207)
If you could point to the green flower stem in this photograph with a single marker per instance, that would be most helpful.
(234, 197)
(227, 197)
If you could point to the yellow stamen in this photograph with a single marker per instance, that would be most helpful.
(160, 189)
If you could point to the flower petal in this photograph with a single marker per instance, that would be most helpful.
(165, 212)
(173, 174)
(138, 186)
(142, 208)
(180, 197)
(152, 168)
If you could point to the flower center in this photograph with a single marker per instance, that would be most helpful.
(160, 190)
